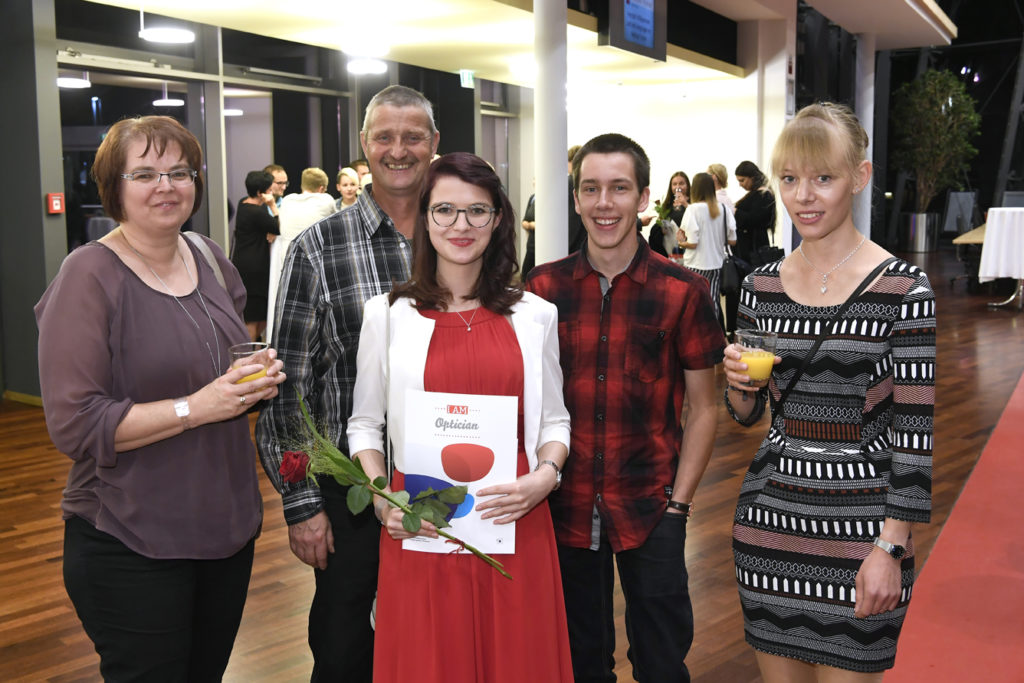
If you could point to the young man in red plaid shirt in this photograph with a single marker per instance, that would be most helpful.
(637, 333)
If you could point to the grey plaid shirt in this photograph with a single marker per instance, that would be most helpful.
(330, 271)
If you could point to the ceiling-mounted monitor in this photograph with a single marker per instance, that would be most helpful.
(636, 26)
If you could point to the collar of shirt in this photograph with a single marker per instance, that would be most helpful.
(635, 271)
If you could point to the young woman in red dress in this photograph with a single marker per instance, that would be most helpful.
(463, 325)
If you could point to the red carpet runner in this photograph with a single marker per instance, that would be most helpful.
(966, 618)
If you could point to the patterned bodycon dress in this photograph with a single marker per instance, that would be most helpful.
(853, 447)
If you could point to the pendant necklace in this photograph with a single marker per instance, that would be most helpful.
(216, 364)
(824, 276)
(470, 322)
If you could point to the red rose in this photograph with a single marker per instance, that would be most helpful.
(294, 466)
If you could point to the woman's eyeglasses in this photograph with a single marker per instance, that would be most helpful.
(477, 215)
(180, 177)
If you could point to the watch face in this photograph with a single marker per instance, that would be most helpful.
(898, 552)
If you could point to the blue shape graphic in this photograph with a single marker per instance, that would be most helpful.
(465, 507)
(415, 483)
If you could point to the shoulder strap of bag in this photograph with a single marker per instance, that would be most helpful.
(725, 229)
(832, 321)
(204, 249)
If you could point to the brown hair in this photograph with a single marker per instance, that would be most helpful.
(158, 132)
(494, 287)
(825, 133)
(703, 190)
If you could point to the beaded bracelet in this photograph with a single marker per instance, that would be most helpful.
(755, 413)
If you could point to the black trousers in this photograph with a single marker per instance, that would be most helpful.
(659, 615)
(154, 620)
(339, 619)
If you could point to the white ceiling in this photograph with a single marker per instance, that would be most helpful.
(494, 38)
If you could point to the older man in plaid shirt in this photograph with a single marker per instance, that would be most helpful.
(637, 334)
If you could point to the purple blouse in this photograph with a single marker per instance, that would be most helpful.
(106, 341)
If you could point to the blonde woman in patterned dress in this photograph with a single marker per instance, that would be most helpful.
(822, 531)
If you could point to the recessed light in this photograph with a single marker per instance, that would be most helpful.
(76, 82)
(366, 65)
(164, 34)
(233, 112)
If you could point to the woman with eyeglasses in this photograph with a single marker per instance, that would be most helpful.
(162, 504)
(257, 225)
(463, 325)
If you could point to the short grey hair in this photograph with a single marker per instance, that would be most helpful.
(399, 96)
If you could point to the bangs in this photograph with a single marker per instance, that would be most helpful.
(809, 143)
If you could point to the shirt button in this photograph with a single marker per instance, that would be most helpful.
(600, 378)
(604, 337)
(600, 417)
(599, 456)
(599, 498)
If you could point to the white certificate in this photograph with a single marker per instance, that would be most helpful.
(461, 439)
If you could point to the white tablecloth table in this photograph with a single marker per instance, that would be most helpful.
(1002, 254)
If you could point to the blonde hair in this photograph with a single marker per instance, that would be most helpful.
(349, 173)
(824, 133)
(313, 179)
(720, 174)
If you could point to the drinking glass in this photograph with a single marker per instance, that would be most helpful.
(251, 353)
(757, 350)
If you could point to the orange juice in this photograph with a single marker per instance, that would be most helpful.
(759, 364)
(262, 372)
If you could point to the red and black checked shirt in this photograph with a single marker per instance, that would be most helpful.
(623, 355)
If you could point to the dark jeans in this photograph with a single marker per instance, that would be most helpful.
(659, 617)
(154, 620)
(339, 619)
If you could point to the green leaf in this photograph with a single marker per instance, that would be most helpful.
(380, 482)
(411, 522)
(357, 499)
(401, 496)
(425, 493)
(453, 494)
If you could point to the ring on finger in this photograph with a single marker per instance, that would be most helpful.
(241, 399)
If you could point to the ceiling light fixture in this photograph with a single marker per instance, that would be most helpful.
(168, 101)
(164, 34)
(366, 65)
(233, 112)
(74, 81)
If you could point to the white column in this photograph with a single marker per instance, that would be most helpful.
(551, 137)
(865, 84)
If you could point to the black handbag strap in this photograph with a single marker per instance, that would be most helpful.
(725, 231)
(832, 321)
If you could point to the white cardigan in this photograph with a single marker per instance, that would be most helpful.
(535, 322)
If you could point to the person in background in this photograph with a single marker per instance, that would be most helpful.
(529, 225)
(721, 178)
(577, 233)
(298, 211)
(162, 504)
(280, 184)
(361, 167)
(755, 220)
(331, 270)
(637, 336)
(462, 324)
(348, 188)
(707, 227)
(662, 237)
(365, 181)
(821, 537)
(256, 227)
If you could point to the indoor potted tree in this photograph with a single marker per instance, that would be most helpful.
(933, 123)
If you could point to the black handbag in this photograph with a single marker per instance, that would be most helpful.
(730, 276)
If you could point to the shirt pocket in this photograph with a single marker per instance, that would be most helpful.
(646, 350)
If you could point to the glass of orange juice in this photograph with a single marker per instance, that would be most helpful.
(757, 350)
(251, 353)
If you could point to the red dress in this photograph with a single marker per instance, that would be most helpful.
(446, 618)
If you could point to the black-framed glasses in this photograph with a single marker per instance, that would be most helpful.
(477, 215)
(180, 177)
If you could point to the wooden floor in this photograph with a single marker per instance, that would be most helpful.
(981, 356)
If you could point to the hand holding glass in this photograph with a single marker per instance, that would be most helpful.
(757, 350)
(251, 353)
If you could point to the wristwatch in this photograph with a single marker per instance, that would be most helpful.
(558, 472)
(182, 411)
(896, 552)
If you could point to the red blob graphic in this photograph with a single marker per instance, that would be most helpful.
(466, 461)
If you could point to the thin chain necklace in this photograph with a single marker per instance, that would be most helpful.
(470, 322)
(216, 342)
(824, 276)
